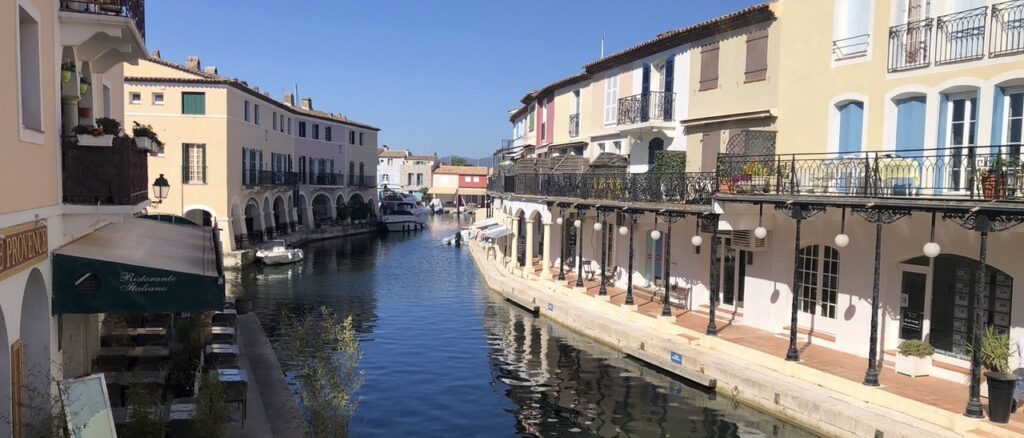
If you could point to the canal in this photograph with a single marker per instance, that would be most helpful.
(445, 356)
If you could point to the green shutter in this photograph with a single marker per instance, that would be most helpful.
(184, 163)
(193, 103)
(202, 149)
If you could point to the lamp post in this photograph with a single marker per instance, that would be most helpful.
(561, 260)
(580, 211)
(599, 227)
(161, 188)
(629, 269)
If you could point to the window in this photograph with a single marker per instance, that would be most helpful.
(757, 56)
(611, 100)
(910, 123)
(709, 67)
(158, 98)
(543, 119)
(135, 98)
(351, 137)
(851, 28)
(302, 129)
(617, 147)
(316, 131)
(256, 114)
(194, 163)
(476, 179)
(819, 280)
(362, 173)
(302, 169)
(29, 76)
(289, 126)
(106, 100)
(409, 177)
(530, 117)
(360, 139)
(282, 122)
(273, 120)
(851, 126)
(1014, 118)
(193, 103)
(351, 173)
(419, 179)
(327, 133)
(246, 116)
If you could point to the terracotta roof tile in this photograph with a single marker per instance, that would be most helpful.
(461, 170)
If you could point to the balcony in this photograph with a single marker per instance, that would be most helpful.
(135, 10)
(324, 179)
(910, 45)
(255, 178)
(100, 175)
(852, 47)
(960, 36)
(364, 181)
(675, 188)
(574, 125)
(1007, 35)
(653, 106)
(989, 173)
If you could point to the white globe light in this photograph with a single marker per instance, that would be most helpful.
(577, 223)
(559, 221)
(932, 249)
(760, 232)
(597, 226)
(623, 230)
(655, 235)
(842, 240)
(696, 241)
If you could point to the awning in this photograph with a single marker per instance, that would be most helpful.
(495, 233)
(472, 192)
(442, 190)
(750, 115)
(486, 223)
(139, 266)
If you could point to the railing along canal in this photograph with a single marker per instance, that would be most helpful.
(684, 188)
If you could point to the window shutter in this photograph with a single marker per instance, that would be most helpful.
(289, 162)
(202, 150)
(757, 56)
(260, 158)
(645, 85)
(709, 67)
(184, 163)
(670, 74)
(245, 166)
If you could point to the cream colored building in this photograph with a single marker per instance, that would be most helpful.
(263, 167)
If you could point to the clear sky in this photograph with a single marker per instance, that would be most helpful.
(434, 75)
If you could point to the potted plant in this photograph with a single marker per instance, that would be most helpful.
(755, 178)
(994, 180)
(89, 135)
(83, 85)
(146, 138)
(995, 359)
(726, 181)
(67, 69)
(914, 358)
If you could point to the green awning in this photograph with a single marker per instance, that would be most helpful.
(139, 266)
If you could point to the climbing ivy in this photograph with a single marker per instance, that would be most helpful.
(670, 162)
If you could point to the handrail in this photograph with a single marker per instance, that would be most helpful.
(960, 36)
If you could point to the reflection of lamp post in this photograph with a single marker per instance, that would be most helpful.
(161, 188)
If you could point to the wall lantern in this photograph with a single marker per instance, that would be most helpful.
(161, 188)
(842, 240)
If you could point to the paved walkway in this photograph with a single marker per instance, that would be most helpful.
(932, 391)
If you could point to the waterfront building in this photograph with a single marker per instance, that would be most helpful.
(262, 167)
(389, 164)
(71, 249)
(417, 172)
(865, 155)
(460, 186)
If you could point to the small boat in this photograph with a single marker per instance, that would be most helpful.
(402, 211)
(279, 254)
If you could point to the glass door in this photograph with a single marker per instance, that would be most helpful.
(733, 274)
(652, 261)
(912, 293)
(962, 132)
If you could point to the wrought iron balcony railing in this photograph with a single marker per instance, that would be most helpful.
(574, 125)
(851, 47)
(365, 181)
(115, 175)
(133, 9)
(645, 107)
(960, 36)
(678, 188)
(910, 45)
(254, 177)
(323, 179)
(1007, 35)
(969, 172)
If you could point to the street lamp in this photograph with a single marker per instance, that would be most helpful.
(161, 188)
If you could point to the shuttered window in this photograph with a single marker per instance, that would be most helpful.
(757, 56)
(709, 67)
(611, 100)
(193, 163)
(193, 103)
(327, 133)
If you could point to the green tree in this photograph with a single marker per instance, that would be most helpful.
(145, 420)
(458, 161)
(211, 418)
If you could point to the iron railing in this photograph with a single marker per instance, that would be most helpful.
(645, 107)
(574, 125)
(960, 36)
(850, 47)
(910, 45)
(115, 175)
(679, 188)
(133, 9)
(967, 172)
(365, 181)
(1007, 34)
(256, 177)
(324, 179)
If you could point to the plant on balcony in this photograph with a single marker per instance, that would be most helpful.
(994, 179)
(67, 69)
(753, 177)
(914, 358)
(146, 138)
(673, 162)
(109, 125)
(83, 85)
(995, 359)
(102, 134)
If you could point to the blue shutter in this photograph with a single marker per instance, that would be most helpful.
(851, 127)
(646, 84)
(910, 117)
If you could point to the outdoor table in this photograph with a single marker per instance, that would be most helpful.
(222, 335)
(236, 384)
(222, 354)
(149, 336)
(225, 318)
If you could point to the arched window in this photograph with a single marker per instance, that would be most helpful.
(851, 126)
(819, 280)
(655, 145)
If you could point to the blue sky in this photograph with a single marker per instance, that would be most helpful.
(436, 76)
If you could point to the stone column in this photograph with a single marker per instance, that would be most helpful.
(545, 272)
(514, 247)
(530, 246)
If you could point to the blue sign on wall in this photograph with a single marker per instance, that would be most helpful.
(676, 358)
(551, 307)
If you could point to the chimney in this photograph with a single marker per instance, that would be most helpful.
(193, 63)
(385, 147)
(155, 53)
(211, 70)
(289, 99)
(307, 103)
(256, 88)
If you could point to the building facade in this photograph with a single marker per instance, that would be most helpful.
(389, 166)
(460, 186)
(262, 166)
(417, 172)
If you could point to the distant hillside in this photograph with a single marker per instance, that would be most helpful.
(484, 162)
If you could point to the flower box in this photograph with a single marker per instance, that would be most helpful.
(913, 366)
(95, 140)
(145, 143)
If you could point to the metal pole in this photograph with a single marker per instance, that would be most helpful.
(667, 309)
(603, 234)
(629, 276)
(871, 376)
(712, 327)
(793, 354)
(561, 260)
(974, 408)
(579, 251)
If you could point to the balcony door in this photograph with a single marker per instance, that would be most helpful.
(917, 37)
(733, 274)
(653, 255)
(962, 128)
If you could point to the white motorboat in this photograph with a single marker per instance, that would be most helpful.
(279, 254)
(402, 211)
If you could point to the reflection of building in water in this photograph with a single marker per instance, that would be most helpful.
(562, 382)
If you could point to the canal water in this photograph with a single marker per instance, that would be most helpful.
(445, 356)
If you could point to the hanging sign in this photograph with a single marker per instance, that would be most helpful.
(21, 247)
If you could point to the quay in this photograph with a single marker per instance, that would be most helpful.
(821, 393)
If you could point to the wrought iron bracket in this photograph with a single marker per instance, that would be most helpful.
(708, 219)
(671, 217)
(984, 222)
(882, 216)
(800, 212)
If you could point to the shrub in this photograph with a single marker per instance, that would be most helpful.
(108, 125)
(211, 418)
(916, 348)
(995, 351)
